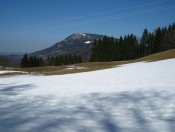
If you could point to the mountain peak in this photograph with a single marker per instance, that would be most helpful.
(81, 34)
(76, 36)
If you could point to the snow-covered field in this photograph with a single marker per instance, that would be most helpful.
(138, 97)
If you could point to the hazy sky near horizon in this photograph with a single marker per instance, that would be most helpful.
(31, 25)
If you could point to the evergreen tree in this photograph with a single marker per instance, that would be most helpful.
(150, 43)
(56, 61)
(41, 62)
(24, 61)
(66, 59)
(79, 59)
(157, 41)
(144, 43)
(93, 55)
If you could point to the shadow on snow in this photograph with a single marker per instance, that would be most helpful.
(112, 112)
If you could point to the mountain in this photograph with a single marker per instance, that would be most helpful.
(79, 43)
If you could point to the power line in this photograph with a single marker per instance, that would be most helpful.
(113, 17)
(99, 13)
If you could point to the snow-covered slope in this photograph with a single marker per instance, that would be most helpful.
(133, 97)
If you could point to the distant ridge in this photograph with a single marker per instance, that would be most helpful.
(12, 53)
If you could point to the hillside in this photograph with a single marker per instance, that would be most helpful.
(159, 56)
(79, 43)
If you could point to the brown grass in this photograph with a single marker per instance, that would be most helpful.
(159, 56)
(92, 66)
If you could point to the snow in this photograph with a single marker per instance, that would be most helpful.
(73, 67)
(134, 97)
(60, 46)
(6, 71)
(83, 34)
(10, 71)
(87, 42)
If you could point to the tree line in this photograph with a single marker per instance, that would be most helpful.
(66, 59)
(31, 61)
(130, 47)
(34, 61)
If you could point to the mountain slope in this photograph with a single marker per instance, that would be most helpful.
(78, 43)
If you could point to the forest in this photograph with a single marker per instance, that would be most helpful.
(33, 61)
(130, 47)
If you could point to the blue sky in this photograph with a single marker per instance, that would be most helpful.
(31, 25)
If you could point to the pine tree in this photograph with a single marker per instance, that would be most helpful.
(157, 41)
(41, 62)
(24, 61)
(150, 43)
(144, 43)
(93, 55)
(129, 47)
(56, 61)
(79, 60)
